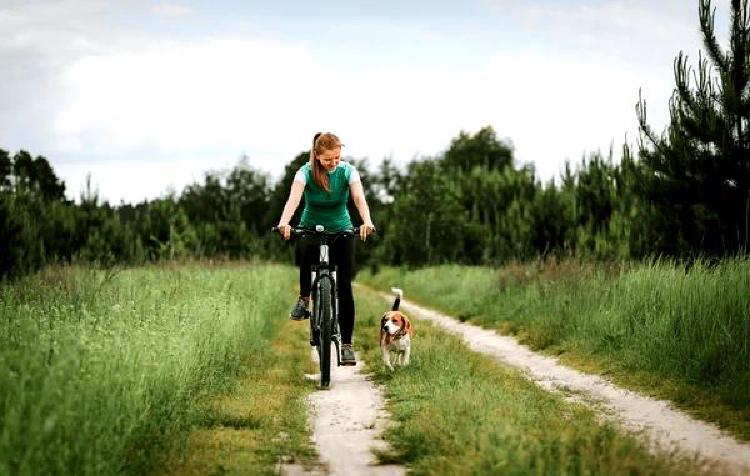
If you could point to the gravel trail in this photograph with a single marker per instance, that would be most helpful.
(347, 422)
(666, 428)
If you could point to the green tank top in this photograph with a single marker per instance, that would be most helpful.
(327, 208)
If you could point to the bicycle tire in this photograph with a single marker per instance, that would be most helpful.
(326, 318)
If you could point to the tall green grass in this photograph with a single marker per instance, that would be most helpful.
(462, 413)
(99, 370)
(687, 326)
(261, 420)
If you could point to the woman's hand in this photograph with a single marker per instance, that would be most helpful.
(365, 230)
(284, 230)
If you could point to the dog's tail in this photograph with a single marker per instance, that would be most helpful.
(399, 294)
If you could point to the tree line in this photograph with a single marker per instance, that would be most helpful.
(682, 193)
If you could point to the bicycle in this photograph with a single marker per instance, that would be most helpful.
(324, 323)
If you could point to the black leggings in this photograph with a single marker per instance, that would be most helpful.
(341, 254)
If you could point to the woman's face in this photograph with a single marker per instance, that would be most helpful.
(330, 159)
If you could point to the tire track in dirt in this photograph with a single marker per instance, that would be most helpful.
(347, 422)
(667, 429)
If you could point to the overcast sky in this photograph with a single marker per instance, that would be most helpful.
(148, 95)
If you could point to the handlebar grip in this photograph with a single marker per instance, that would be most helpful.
(292, 232)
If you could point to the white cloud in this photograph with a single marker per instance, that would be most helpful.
(40, 40)
(138, 179)
(141, 112)
(181, 97)
(171, 9)
(640, 31)
(559, 108)
(228, 96)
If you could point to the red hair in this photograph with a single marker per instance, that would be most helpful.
(321, 143)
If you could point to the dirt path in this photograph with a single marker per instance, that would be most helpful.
(666, 428)
(347, 422)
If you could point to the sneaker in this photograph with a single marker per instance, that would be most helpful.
(300, 311)
(347, 355)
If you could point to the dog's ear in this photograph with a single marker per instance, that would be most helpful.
(407, 325)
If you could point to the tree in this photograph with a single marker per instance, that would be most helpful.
(698, 171)
(37, 176)
(248, 189)
(47, 183)
(6, 167)
(23, 169)
(387, 181)
(479, 150)
(427, 223)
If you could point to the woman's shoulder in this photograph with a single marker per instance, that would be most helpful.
(305, 170)
(350, 171)
(347, 167)
(303, 173)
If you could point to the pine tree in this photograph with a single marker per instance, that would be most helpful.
(6, 167)
(699, 169)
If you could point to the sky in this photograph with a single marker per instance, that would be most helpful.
(148, 96)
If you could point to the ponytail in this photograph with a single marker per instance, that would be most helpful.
(321, 142)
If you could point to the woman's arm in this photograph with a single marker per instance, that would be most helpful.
(295, 195)
(358, 196)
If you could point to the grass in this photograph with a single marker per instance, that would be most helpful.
(458, 412)
(102, 372)
(675, 334)
(184, 370)
(261, 420)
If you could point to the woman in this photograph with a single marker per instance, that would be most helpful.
(326, 183)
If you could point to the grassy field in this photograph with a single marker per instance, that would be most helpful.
(105, 372)
(261, 420)
(191, 370)
(461, 413)
(676, 334)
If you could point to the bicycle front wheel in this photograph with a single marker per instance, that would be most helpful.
(326, 318)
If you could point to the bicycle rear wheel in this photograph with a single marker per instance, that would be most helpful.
(326, 318)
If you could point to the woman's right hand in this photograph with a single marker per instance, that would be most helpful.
(285, 231)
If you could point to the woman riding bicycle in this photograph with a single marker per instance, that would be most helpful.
(326, 183)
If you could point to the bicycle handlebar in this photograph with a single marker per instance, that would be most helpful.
(300, 232)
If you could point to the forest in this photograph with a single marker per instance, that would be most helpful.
(683, 193)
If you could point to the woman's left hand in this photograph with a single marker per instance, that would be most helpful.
(365, 230)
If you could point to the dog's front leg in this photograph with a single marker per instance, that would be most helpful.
(387, 358)
(407, 353)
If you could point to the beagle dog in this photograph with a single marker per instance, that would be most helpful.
(395, 333)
